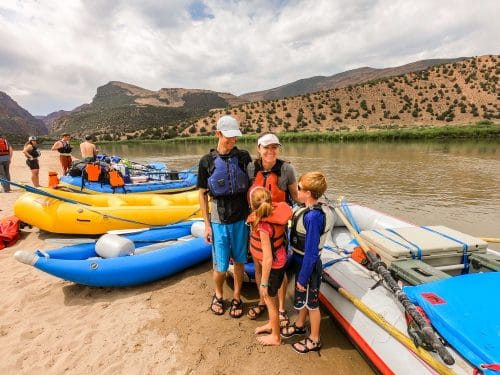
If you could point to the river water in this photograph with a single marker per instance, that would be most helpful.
(456, 184)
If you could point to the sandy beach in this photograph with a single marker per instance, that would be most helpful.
(51, 326)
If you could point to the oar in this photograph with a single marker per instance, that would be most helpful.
(388, 327)
(491, 239)
(86, 206)
(429, 336)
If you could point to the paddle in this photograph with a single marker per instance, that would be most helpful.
(389, 328)
(86, 206)
(491, 239)
(429, 336)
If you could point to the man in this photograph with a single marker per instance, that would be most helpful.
(222, 176)
(6, 151)
(64, 149)
(88, 149)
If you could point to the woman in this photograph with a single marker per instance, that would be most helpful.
(31, 152)
(279, 178)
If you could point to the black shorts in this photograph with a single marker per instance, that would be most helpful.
(310, 297)
(33, 164)
(275, 280)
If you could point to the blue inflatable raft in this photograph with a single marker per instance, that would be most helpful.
(131, 259)
(182, 181)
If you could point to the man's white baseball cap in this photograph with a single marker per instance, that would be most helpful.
(229, 127)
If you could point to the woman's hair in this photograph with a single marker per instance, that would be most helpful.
(261, 203)
(315, 182)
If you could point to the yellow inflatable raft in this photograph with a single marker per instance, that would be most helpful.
(60, 211)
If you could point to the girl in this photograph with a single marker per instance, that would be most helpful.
(31, 152)
(268, 222)
(278, 177)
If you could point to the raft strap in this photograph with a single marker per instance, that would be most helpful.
(464, 245)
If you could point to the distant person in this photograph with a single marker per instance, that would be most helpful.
(222, 177)
(88, 149)
(6, 152)
(278, 176)
(268, 222)
(64, 148)
(311, 224)
(32, 154)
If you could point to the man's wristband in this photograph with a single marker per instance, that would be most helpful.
(264, 284)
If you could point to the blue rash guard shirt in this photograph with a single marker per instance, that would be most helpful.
(314, 222)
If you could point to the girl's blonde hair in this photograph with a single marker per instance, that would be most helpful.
(261, 203)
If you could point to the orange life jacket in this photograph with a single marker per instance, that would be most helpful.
(278, 219)
(4, 147)
(269, 180)
(93, 171)
(116, 179)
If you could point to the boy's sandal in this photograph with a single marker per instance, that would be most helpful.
(302, 347)
(284, 319)
(236, 309)
(217, 306)
(256, 311)
(292, 330)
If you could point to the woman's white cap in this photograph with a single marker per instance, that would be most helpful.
(268, 139)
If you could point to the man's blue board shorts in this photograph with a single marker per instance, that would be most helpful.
(229, 240)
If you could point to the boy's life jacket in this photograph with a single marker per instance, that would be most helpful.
(298, 230)
(227, 177)
(65, 149)
(4, 147)
(278, 219)
(269, 180)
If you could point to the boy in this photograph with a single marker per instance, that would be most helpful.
(311, 224)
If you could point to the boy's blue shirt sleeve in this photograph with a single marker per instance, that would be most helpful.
(313, 222)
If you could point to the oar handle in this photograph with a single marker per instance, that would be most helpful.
(491, 239)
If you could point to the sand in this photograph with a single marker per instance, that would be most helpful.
(51, 326)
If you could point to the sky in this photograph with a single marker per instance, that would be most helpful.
(55, 53)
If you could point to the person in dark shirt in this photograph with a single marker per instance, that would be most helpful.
(223, 184)
(31, 152)
(64, 149)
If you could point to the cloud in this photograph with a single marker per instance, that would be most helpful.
(53, 55)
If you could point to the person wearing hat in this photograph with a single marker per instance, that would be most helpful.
(64, 149)
(31, 152)
(6, 152)
(88, 149)
(223, 184)
(279, 177)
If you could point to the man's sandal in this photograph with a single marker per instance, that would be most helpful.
(236, 309)
(217, 306)
(284, 319)
(292, 330)
(302, 347)
(256, 311)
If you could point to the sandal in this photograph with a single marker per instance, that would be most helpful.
(236, 309)
(284, 319)
(303, 348)
(217, 306)
(292, 330)
(256, 311)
